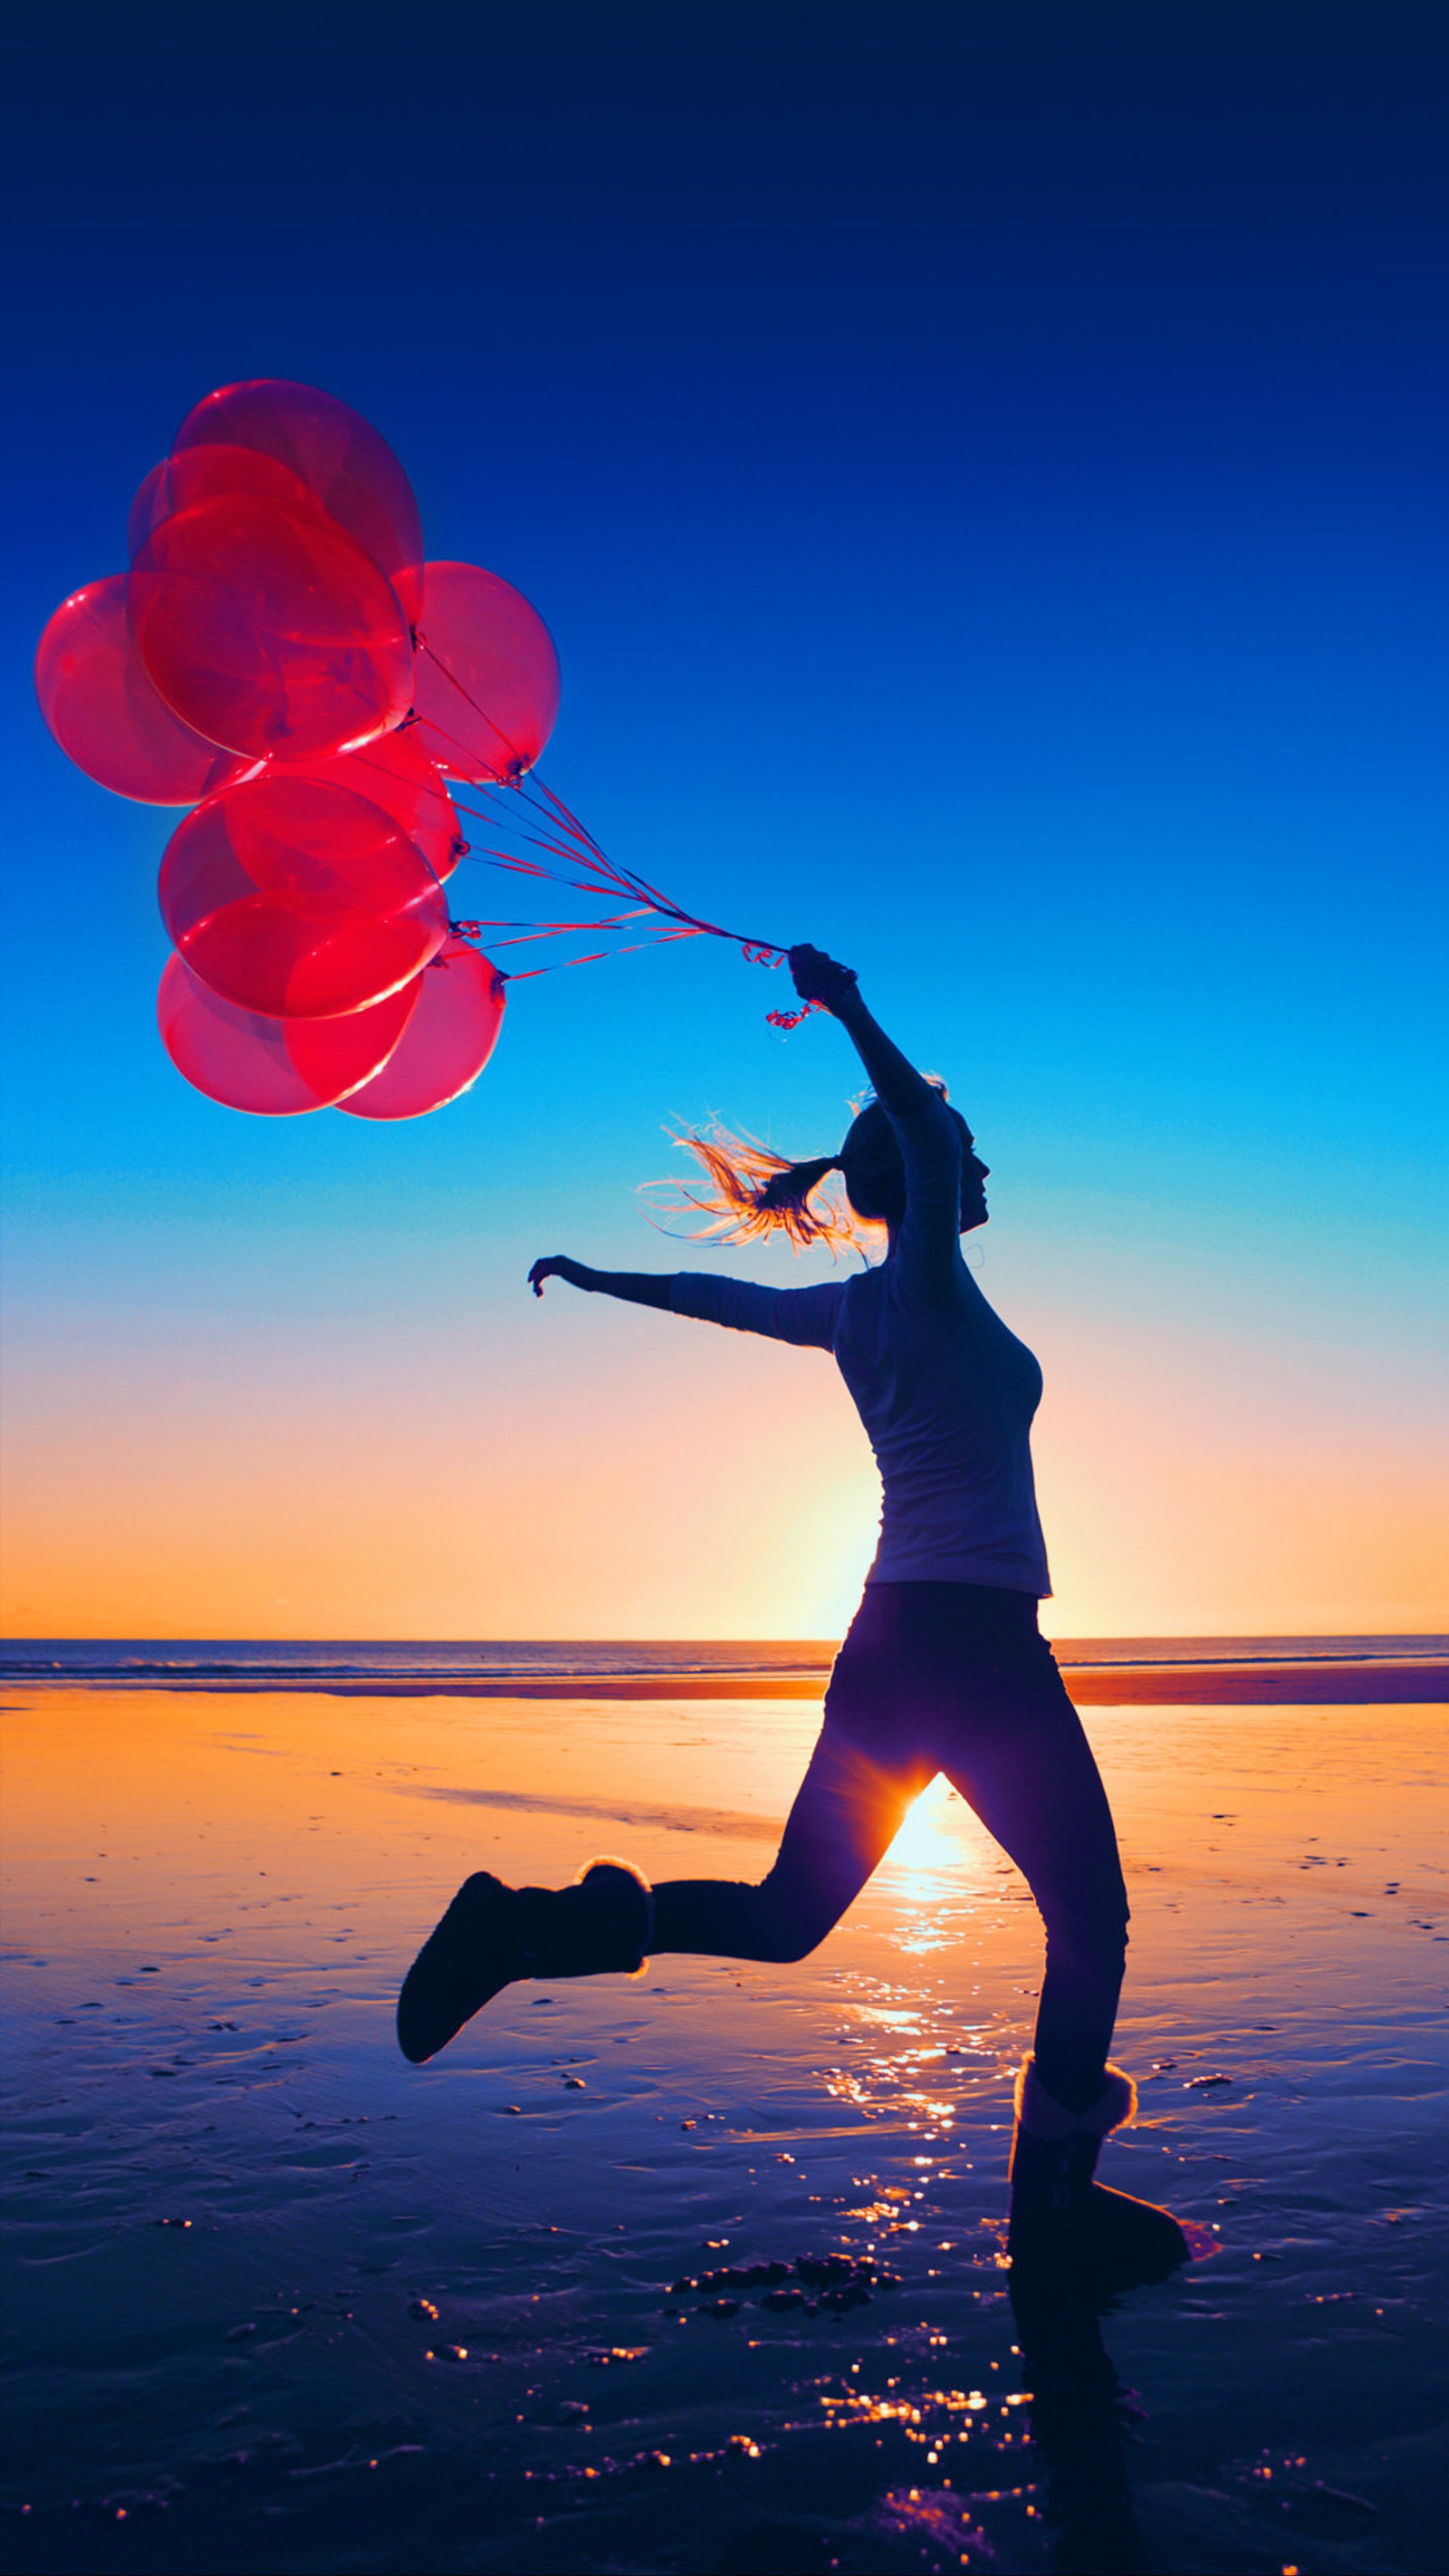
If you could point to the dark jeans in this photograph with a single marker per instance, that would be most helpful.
(951, 1677)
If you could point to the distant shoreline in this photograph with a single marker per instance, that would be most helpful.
(1312, 1681)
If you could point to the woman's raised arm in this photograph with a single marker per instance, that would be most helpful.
(900, 1089)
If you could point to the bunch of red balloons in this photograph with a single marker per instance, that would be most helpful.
(280, 658)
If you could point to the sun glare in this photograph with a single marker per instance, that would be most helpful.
(924, 1841)
(930, 1869)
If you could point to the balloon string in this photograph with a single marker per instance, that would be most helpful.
(586, 852)
(554, 809)
(579, 851)
(596, 861)
(509, 865)
(571, 821)
(573, 852)
(359, 760)
(534, 840)
(623, 881)
(530, 930)
(422, 645)
(597, 957)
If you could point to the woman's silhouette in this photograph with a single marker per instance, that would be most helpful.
(944, 1668)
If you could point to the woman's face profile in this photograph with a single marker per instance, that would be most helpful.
(974, 1177)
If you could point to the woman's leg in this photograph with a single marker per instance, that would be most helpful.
(1027, 1768)
(1024, 1764)
(844, 1818)
(849, 1804)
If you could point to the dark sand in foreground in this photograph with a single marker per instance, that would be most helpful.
(277, 2301)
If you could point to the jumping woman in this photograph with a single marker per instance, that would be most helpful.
(944, 1668)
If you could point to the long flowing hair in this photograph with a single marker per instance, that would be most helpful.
(746, 1191)
(743, 1191)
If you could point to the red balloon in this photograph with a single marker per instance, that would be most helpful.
(104, 713)
(150, 504)
(299, 899)
(396, 773)
(208, 474)
(446, 1044)
(338, 455)
(274, 1068)
(268, 630)
(487, 685)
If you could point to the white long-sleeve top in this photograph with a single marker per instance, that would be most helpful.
(945, 1391)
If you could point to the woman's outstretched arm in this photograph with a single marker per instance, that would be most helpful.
(640, 1287)
(805, 1316)
(900, 1089)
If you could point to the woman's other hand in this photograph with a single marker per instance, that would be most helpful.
(557, 1266)
(820, 979)
(636, 1287)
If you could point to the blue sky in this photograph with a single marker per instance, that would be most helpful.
(983, 469)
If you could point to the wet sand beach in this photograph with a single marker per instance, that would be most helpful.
(702, 2270)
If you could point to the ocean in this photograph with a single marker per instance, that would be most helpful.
(296, 1663)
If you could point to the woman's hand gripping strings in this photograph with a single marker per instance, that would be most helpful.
(901, 1091)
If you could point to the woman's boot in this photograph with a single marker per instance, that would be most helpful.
(1060, 2217)
(492, 1934)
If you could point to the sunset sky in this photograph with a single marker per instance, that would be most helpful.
(987, 491)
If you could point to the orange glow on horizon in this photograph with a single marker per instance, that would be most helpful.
(623, 1480)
